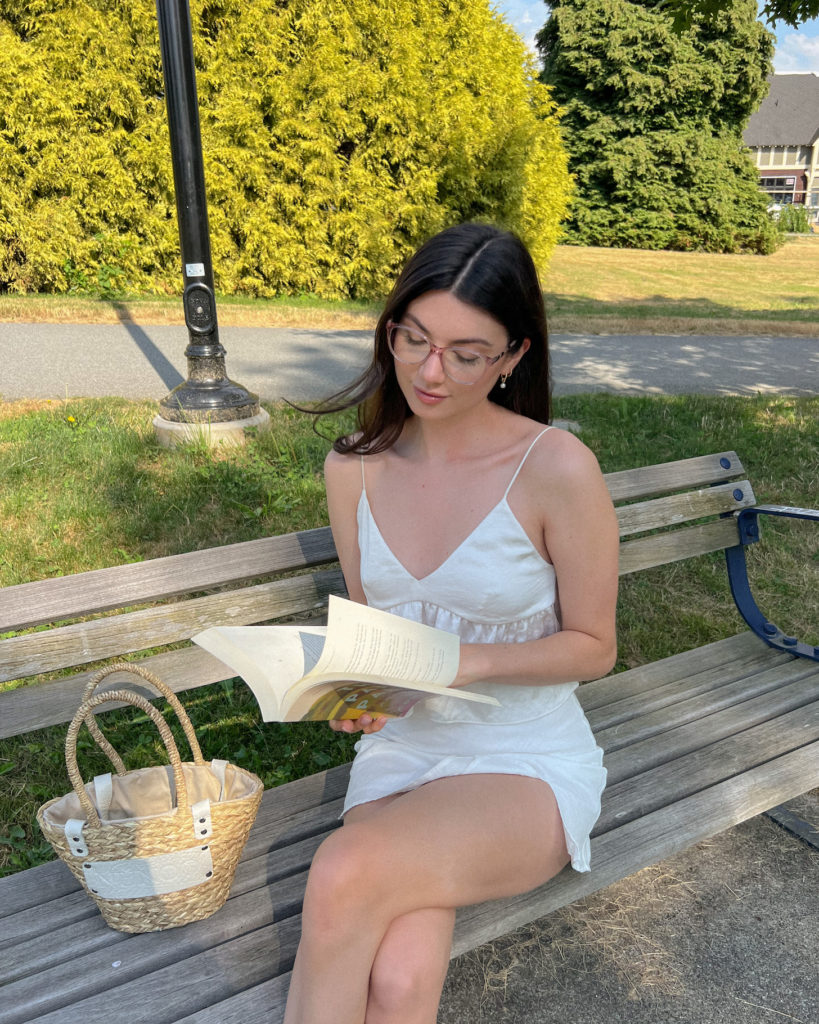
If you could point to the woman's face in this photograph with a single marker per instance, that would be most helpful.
(447, 322)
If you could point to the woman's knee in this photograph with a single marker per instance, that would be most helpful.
(343, 876)
(408, 975)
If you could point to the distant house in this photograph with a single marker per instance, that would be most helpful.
(783, 135)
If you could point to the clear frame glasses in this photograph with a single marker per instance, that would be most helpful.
(412, 347)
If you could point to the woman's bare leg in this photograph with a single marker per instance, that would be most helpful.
(450, 843)
(412, 961)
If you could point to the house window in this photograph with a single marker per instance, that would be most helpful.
(782, 190)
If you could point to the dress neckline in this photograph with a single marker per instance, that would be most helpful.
(503, 503)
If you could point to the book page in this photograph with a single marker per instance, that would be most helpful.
(269, 659)
(365, 642)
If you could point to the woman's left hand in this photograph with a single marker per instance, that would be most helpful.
(365, 723)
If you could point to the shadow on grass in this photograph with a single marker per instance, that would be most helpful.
(803, 308)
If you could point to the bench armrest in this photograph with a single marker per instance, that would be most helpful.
(741, 589)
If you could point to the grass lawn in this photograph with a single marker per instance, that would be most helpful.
(587, 290)
(85, 485)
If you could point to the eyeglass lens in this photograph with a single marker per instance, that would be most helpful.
(412, 347)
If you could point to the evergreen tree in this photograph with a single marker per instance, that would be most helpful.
(337, 135)
(653, 123)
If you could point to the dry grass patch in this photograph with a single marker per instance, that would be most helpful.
(231, 313)
(786, 280)
(604, 934)
(577, 323)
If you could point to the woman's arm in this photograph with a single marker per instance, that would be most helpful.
(563, 480)
(342, 480)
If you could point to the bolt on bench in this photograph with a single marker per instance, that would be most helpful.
(694, 744)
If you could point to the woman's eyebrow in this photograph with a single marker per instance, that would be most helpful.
(458, 341)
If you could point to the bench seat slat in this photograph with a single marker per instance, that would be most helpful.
(665, 740)
(262, 1004)
(710, 657)
(646, 841)
(650, 481)
(69, 597)
(161, 997)
(681, 508)
(708, 684)
(154, 627)
(709, 765)
(36, 969)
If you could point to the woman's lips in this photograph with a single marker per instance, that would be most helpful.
(427, 397)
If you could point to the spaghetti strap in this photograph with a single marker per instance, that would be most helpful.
(363, 483)
(520, 464)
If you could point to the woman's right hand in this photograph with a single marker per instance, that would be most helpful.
(365, 723)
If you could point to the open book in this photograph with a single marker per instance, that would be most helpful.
(364, 660)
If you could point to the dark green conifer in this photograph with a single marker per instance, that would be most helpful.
(653, 123)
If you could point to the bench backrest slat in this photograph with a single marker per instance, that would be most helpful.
(108, 637)
(54, 702)
(649, 481)
(661, 548)
(682, 508)
(69, 597)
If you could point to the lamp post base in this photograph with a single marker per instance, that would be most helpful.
(214, 433)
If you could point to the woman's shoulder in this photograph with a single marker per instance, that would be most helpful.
(341, 469)
(561, 458)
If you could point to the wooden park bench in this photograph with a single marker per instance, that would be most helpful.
(694, 744)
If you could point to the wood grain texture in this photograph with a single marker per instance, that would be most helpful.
(81, 642)
(68, 597)
(665, 477)
(681, 508)
(676, 545)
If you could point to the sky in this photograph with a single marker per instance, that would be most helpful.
(797, 51)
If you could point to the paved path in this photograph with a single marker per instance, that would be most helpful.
(53, 361)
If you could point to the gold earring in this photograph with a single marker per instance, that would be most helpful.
(504, 378)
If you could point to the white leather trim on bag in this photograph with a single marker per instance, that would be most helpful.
(76, 840)
(104, 792)
(138, 877)
(202, 825)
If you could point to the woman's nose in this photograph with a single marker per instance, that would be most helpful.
(432, 368)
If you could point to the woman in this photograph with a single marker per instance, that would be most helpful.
(454, 505)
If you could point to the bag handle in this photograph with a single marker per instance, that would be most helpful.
(136, 670)
(137, 701)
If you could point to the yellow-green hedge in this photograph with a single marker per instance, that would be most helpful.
(338, 134)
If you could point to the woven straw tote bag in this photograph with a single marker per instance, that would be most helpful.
(156, 847)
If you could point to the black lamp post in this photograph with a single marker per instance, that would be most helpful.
(207, 396)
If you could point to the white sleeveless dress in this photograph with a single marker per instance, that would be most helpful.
(494, 588)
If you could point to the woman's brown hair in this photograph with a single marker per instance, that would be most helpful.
(484, 267)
